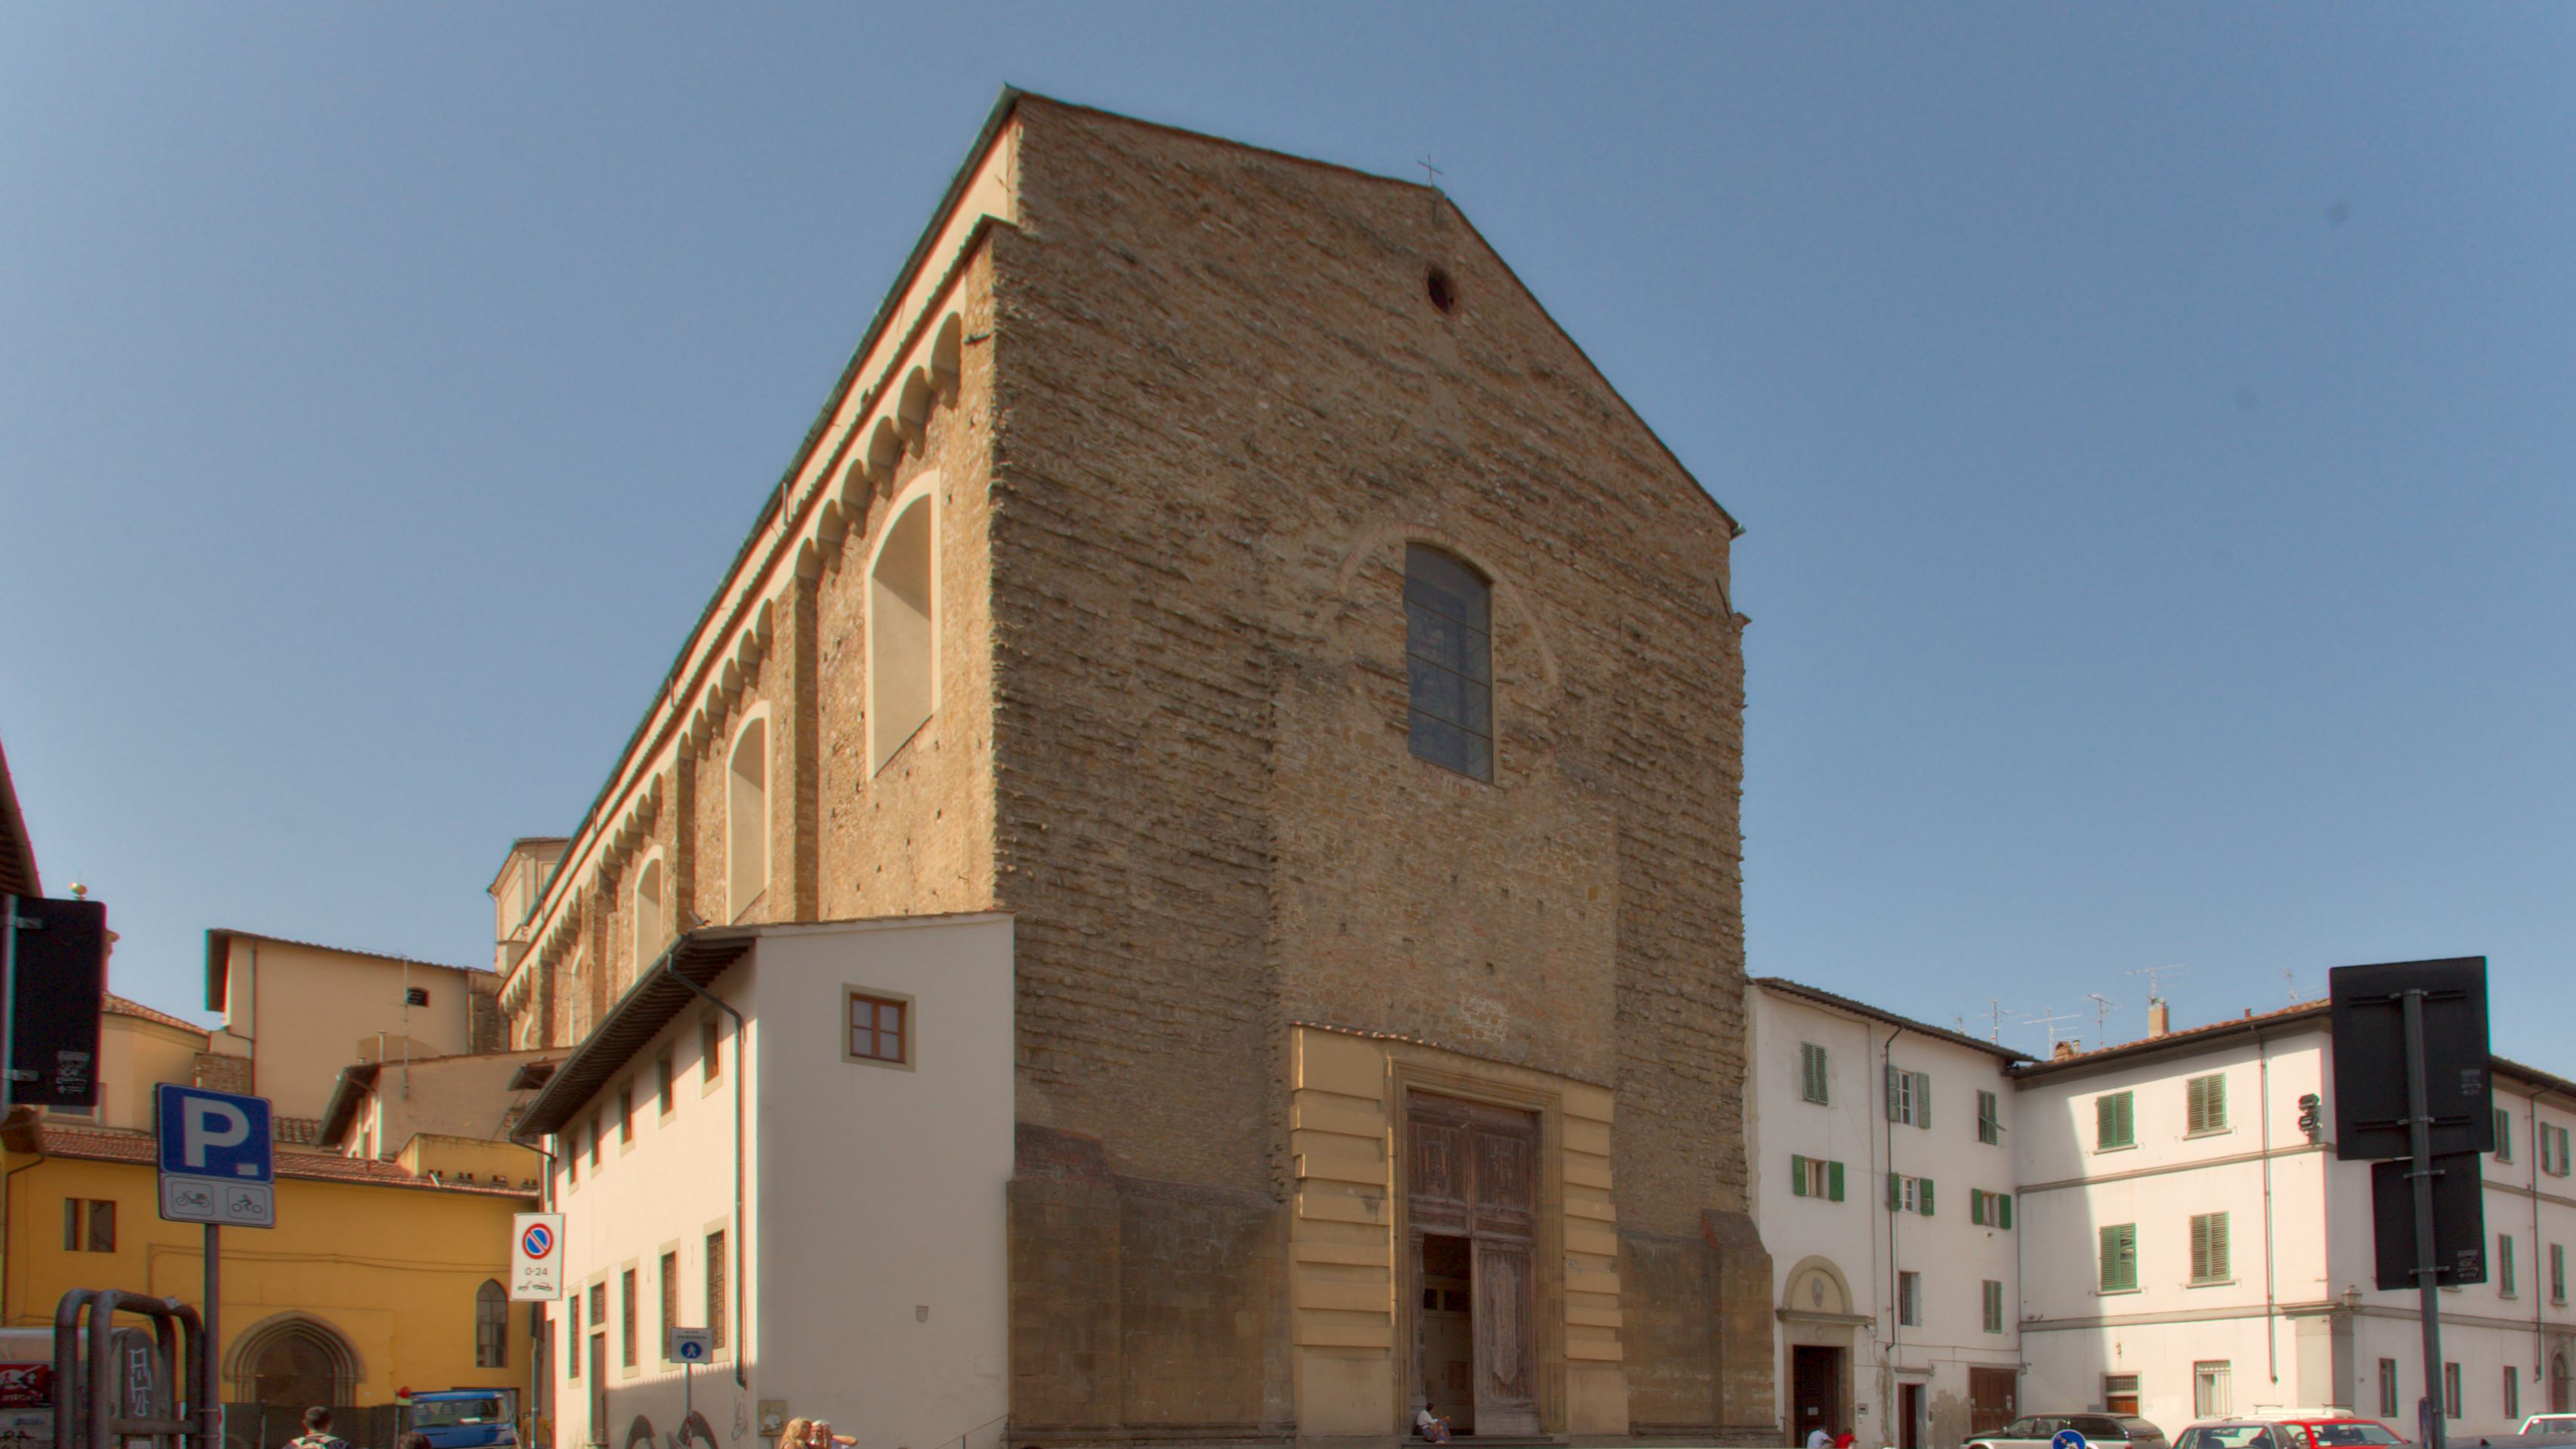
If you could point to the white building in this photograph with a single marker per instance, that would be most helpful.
(1882, 1180)
(2195, 1248)
(819, 1179)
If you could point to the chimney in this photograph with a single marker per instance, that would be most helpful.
(2062, 1051)
(2159, 1018)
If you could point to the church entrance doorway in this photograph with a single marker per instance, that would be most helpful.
(1471, 1189)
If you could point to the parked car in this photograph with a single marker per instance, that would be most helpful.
(2548, 1424)
(467, 1418)
(2038, 1431)
(2288, 1431)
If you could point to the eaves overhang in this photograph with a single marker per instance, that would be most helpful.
(652, 1003)
(351, 1089)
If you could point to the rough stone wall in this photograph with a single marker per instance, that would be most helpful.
(1226, 402)
(916, 836)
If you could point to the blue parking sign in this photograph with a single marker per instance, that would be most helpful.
(216, 1162)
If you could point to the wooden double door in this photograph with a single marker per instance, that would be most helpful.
(1471, 1191)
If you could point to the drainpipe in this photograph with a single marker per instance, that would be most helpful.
(741, 1225)
(1895, 1273)
(2271, 1328)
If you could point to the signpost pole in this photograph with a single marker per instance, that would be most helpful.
(210, 1404)
(2419, 1123)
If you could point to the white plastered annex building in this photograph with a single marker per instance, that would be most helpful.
(1883, 1170)
(2205, 1253)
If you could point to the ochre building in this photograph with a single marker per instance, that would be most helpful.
(1219, 563)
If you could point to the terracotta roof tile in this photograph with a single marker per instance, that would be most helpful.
(120, 1006)
(96, 1144)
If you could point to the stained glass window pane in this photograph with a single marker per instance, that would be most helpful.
(1449, 662)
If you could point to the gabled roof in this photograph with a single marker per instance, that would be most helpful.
(1818, 997)
(219, 941)
(17, 855)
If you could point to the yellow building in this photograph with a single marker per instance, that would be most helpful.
(375, 1279)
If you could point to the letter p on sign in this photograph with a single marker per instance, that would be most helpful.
(208, 1123)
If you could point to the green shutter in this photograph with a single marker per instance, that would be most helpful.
(1895, 1193)
(1922, 1099)
(2119, 1257)
(1891, 1093)
(2003, 1211)
(2114, 1120)
(1834, 1181)
(1923, 1195)
(1797, 1175)
(1977, 1206)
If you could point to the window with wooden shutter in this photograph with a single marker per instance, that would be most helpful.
(2504, 1135)
(1977, 1206)
(1990, 1126)
(1994, 1306)
(2004, 1210)
(2115, 1121)
(1909, 1097)
(2504, 1264)
(1833, 1182)
(2205, 1104)
(1797, 1175)
(2209, 1262)
(2120, 1258)
(1812, 1077)
(1923, 1196)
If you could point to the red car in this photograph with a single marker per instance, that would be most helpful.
(2294, 1431)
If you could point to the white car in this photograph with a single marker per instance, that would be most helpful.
(2548, 1424)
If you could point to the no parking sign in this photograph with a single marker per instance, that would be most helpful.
(536, 1257)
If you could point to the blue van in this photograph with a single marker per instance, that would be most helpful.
(467, 1418)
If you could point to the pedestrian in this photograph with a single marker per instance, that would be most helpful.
(819, 1435)
(317, 1431)
(1844, 1439)
(1818, 1438)
(1430, 1427)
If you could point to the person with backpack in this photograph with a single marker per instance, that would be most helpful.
(317, 1432)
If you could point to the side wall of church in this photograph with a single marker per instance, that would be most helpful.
(1227, 402)
(847, 835)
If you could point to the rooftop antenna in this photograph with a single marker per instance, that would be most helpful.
(2101, 1016)
(2291, 980)
(2049, 1017)
(1995, 1015)
(2155, 986)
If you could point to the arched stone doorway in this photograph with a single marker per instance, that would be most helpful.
(292, 1361)
(1818, 1335)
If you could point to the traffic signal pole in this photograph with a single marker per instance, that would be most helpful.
(2419, 1125)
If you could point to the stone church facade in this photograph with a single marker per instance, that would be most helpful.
(1219, 562)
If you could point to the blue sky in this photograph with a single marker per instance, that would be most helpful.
(2151, 427)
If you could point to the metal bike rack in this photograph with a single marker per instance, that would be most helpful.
(90, 1394)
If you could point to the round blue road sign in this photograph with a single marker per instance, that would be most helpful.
(2067, 1439)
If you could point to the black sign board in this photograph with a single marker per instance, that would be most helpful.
(2459, 1222)
(2370, 1107)
(60, 971)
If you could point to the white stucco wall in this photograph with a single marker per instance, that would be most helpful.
(1954, 1256)
(881, 1228)
(876, 1260)
(2302, 1322)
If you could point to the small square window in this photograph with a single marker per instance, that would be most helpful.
(880, 1028)
(415, 996)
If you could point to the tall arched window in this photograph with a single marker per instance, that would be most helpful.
(648, 914)
(491, 1326)
(1449, 655)
(747, 819)
(902, 654)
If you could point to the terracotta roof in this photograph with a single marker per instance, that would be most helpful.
(1820, 997)
(2187, 1038)
(96, 1144)
(117, 1005)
